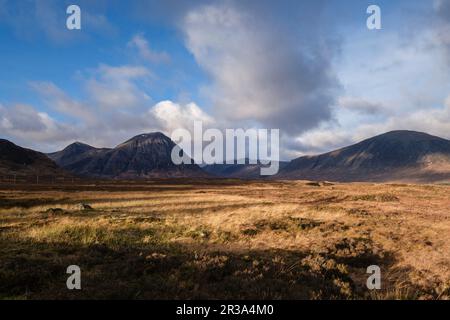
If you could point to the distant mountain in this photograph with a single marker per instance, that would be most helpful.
(240, 171)
(15, 160)
(143, 156)
(76, 155)
(393, 156)
(406, 156)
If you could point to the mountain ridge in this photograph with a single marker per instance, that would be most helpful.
(16, 160)
(236, 170)
(394, 155)
(146, 155)
(400, 155)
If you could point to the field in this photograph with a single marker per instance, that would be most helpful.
(224, 239)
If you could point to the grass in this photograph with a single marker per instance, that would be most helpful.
(225, 239)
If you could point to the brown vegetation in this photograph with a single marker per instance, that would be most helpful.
(225, 239)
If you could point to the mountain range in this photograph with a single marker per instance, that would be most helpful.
(240, 171)
(143, 156)
(407, 156)
(393, 156)
(15, 160)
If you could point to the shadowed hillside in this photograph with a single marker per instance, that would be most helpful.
(240, 171)
(143, 156)
(15, 160)
(396, 155)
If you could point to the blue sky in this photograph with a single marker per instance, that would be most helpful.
(32, 53)
(310, 68)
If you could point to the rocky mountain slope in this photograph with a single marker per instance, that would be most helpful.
(393, 156)
(143, 156)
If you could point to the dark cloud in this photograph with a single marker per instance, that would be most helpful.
(269, 63)
(361, 106)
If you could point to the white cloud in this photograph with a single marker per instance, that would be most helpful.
(335, 135)
(113, 106)
(142, 46)
(259, 72)
(263, 72)
(61, 102)
(119, 87)
(30, 128)
(173, 116)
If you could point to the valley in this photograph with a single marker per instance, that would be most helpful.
(224, 239)
(140, 227)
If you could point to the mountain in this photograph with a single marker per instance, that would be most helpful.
(240, 171)
(76, 155)
(393, 156)
(406, 156)
(15, 160)
(143, 156)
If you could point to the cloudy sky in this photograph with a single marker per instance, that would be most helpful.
(310, 68)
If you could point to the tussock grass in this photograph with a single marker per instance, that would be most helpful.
(226, 239)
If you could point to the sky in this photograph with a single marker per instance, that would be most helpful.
(309, 68)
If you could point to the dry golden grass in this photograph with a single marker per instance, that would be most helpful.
(226, 239)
